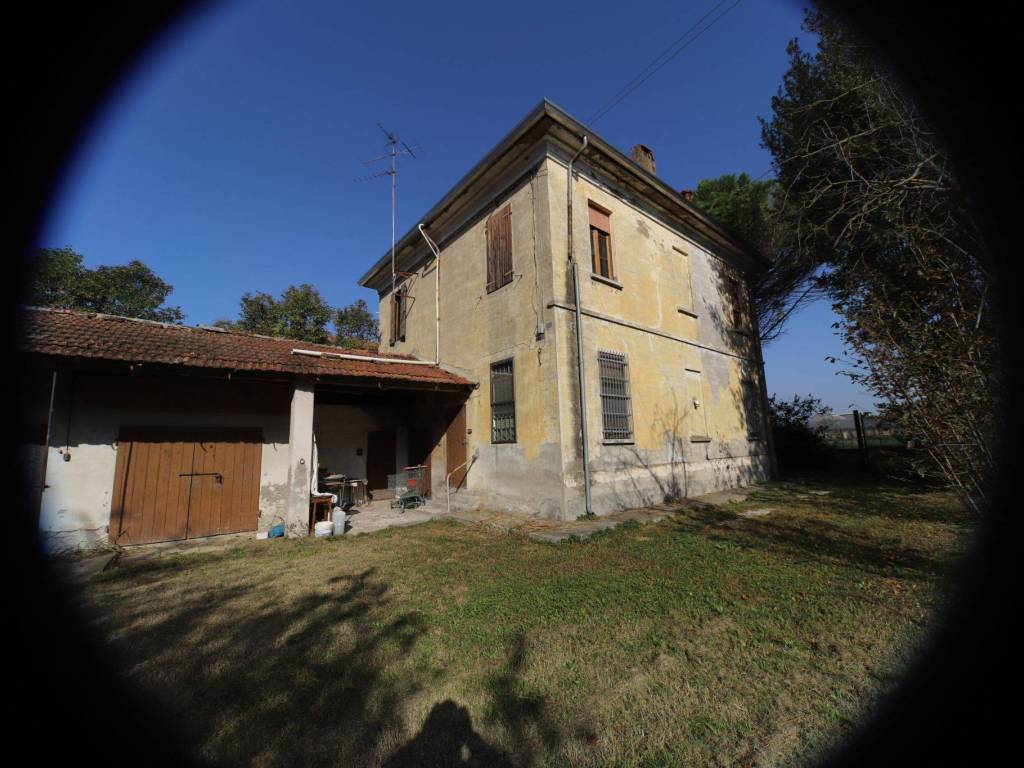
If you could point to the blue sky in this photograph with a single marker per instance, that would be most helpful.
(226, 161)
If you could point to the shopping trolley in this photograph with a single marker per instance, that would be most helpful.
(409, 486)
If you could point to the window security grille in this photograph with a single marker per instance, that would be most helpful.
(616, 409)
(503, 403)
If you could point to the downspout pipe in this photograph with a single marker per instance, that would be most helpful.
(579, 336)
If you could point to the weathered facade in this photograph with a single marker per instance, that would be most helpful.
(673, 382)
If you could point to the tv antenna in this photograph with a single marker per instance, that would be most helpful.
(394, 150)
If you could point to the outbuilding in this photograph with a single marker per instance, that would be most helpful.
(136, 432)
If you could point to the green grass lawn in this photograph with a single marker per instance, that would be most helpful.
(681, 643)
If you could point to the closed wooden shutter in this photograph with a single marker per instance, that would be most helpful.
(401, 314)
(499, 249)
(397, 331)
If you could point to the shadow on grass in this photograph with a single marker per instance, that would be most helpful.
(257, 677)
(859, 531)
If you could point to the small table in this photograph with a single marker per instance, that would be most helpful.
(319, 504)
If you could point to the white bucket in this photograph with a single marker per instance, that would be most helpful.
(323, 528)
(339, 521)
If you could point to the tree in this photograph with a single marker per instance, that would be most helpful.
(55, 278)
(60, 279)
(751, 210)
(300, 313)
(798, 445)
(870, 202)
(356, 326)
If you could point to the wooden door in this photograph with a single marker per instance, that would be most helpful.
(455, 446)
(380, 459)
(174, 483)
(421, 445)
(225, 485)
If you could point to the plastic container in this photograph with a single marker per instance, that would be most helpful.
(323, 528)
(276, 532)
(339, 521)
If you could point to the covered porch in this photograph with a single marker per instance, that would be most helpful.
(348, 433)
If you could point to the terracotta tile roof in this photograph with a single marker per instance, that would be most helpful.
(64, 333)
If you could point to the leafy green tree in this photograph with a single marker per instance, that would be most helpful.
(745, 206)
(356, 326)
(299, 313)
(875, 213)
(60, 279)
(55, 278)
(753, 209)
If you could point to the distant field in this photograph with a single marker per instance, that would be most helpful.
(705, 639)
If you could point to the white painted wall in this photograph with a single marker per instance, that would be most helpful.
(341, 436)
(75, 509)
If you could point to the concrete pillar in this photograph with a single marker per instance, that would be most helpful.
(300, 459)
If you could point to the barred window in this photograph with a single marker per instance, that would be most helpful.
(499, 249)
(503, 403)
(616, 409)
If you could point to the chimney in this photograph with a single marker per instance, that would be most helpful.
(687, 195)
(644, 157)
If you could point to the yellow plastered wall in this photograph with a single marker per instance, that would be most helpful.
(480, 328)
(657, 271)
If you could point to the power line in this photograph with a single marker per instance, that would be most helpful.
(664, 58)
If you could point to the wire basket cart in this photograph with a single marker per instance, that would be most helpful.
(409, 486)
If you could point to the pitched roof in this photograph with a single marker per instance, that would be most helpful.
(548, 117)
(66, 333)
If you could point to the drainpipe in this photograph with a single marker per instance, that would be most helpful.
(579, 339)
(437, 293)
(46, 445)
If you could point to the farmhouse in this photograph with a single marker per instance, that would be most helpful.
(562, 333)
(606, 319)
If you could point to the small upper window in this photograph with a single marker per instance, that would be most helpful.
(735, 303)
(601, 242)
(499, 249)
(398, 313)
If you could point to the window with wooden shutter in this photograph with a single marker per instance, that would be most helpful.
(398, 312)
(735, 298)
(601, 241)
(503, 403)
(499, 249)
(616, 407)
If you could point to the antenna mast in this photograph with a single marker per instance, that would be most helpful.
(392, 144)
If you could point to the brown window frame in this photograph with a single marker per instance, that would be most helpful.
(499, 249)
(399, 311)
(504, 408)
(600, 232)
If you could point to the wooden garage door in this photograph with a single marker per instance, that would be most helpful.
(179, 483)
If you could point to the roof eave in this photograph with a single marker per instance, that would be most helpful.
(547, 109)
